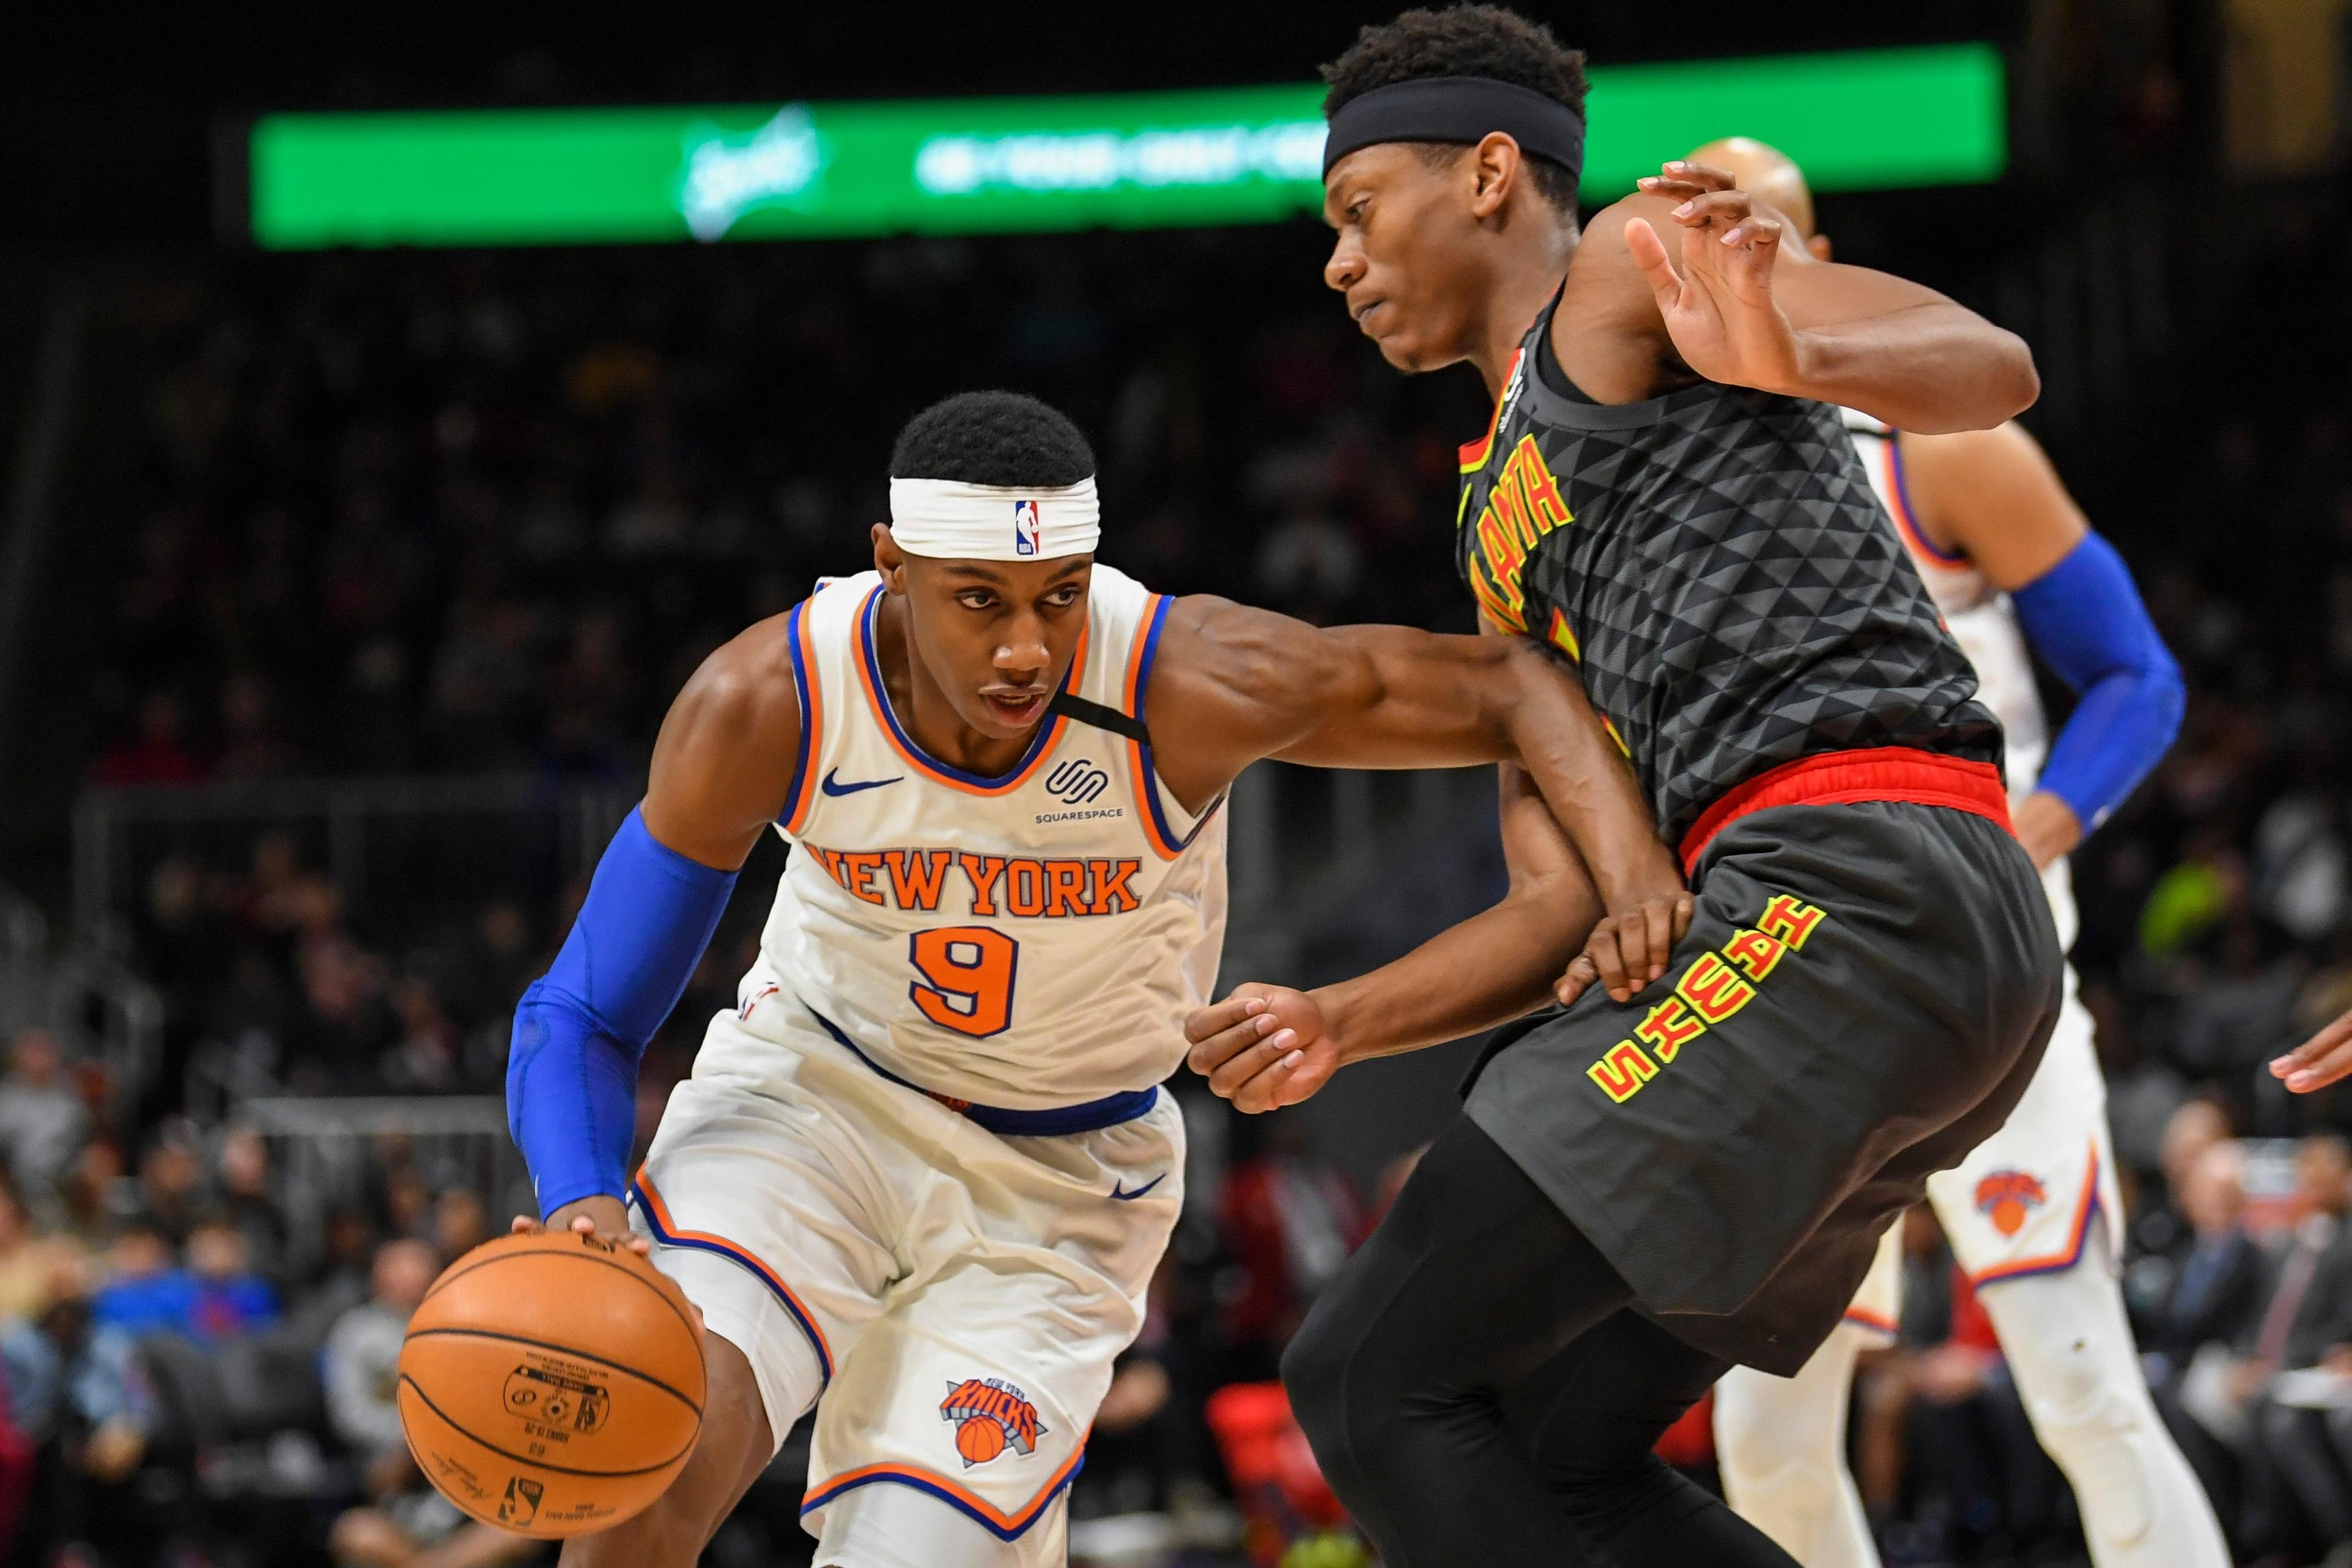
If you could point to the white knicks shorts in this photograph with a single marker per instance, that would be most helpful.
(950, 1299)
(2024, 1200)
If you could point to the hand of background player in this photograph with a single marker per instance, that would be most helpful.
(2048, 828)
(1718, 308)
(2320, 1061)
(598, 1216)
(1628, 950)
(1263, 1048)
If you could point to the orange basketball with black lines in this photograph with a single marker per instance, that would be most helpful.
(980, 1440)
(551, 1385)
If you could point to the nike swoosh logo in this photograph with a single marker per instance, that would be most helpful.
(831, 785)
(1121, 1194)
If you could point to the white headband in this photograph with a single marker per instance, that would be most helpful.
(948, 520)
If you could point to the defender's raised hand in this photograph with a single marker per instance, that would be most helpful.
(1719, 305)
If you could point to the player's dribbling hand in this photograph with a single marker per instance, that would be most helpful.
(1718, 308)
(1628, 950)
(603, 1218)
(598, 1216)
(2323, 1059)
(1262, 1047)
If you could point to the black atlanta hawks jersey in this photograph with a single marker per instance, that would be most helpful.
(1717, 563)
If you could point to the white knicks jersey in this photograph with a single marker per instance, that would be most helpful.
(1984, 623)
(1024, 942)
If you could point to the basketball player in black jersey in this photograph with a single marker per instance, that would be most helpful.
(1689, 1165)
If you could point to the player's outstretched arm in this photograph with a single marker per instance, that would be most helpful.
(1265, 1046)
(1236, 684)
(1240, 684)
(1742, 309)
(722, 768)
(1993, 495)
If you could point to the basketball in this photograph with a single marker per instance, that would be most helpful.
(980, 1440)
(551, 1385)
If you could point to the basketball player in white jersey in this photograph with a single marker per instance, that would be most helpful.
(2032, 1215)
(922, 1172)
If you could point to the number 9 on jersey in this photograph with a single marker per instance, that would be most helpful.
(966, 978)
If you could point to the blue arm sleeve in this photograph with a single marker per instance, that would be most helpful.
(579, 1031)
(2085, 619)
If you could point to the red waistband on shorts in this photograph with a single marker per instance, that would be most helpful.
(1843, 778)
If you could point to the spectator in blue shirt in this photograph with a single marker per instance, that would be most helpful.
(215, 1295)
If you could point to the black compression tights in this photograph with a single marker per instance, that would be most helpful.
(1478, 1393)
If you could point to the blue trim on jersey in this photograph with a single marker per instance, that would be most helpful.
(1150, 783)
(2085, 619)
(663, 1235)
(1911, 514)
(1090, 1116)
(1046, 730)
(962, 1505)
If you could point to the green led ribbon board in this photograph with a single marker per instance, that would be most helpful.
(1872, 119)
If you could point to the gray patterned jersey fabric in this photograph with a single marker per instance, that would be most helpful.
(1717, 564)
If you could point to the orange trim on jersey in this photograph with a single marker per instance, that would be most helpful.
(1844, 778)
(2066, 1257)
(1049, 734)
(1006, 1526)
(1863, 1318)
(1473, 453)
(669, 1232)
(811, 720)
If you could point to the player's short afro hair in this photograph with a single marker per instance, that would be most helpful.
(993, 438)
(1465, 40)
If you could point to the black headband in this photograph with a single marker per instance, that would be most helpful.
(1462, 108)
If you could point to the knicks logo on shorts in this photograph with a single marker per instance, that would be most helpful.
(988, 1414)
(2006, 1197)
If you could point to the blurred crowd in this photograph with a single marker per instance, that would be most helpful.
(468, 513)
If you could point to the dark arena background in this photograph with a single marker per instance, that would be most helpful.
(398, 404)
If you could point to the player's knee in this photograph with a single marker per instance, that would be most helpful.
(1751, 1425)
(1314, 1371)
(2091, 1409)
(668, 1534)
(2080, 1389)
(734, 1445)
(1338, 1393)
(1767, 1454)
(1787, 1499)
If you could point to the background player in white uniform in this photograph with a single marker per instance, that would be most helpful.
(2032, 1215)
(922, 1172)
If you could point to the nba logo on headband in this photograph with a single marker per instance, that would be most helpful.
(948, 520)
